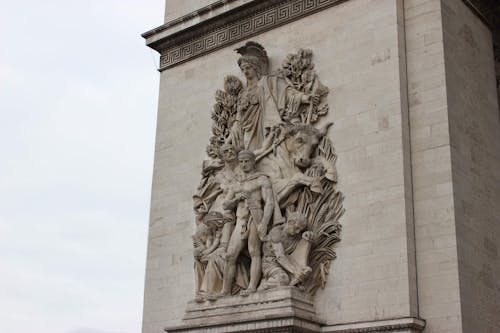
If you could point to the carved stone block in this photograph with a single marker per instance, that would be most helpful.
(284, 309)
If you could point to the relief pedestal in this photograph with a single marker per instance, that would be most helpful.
(285, 309)
(280, 310)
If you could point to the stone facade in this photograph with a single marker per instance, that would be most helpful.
(417, 133)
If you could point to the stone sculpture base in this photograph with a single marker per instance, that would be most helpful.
(284, 309)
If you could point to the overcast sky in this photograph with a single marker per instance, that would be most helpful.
(78, 99)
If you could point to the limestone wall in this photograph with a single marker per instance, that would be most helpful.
(437, 271)
(455, 138)
(417, 133)
(474, 123)
(358, 55)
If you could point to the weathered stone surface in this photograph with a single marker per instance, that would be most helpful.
(412, 95)
(278, 309)
(267, 216)
(474, 129)
(357, 54)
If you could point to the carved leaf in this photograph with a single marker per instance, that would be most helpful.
(232, 85)
(325, 149)
(219, 96)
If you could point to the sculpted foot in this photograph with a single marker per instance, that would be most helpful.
(294, 282)
(247, 292)
(212, 297)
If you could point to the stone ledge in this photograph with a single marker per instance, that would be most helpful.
(285, 309)
(391, 325)
(220, 7)
(296, 325)
(278, 325)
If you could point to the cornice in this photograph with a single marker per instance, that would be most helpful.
(198, 16)
(390, 325)
(225, 22)
(237, 21)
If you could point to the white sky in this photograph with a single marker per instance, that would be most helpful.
(78, 98)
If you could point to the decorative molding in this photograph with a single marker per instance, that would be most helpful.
(391, 325)
(297, 325)
(225, 22)
(271, 325)
(235, 25)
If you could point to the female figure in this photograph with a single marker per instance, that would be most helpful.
(248, 129)
(264, 100)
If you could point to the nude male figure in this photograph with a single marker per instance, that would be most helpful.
(252, 197)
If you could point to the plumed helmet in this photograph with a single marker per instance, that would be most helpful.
(254, 54)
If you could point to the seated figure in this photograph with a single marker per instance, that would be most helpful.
(285, 252)
(205, 241)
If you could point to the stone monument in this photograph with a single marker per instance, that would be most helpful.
(325, 166)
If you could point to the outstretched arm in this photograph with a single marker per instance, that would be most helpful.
(285, 187)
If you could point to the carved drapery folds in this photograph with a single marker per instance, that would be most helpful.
(267, 208)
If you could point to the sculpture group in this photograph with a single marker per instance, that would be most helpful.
(267, 208)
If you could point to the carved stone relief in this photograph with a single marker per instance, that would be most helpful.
(267, 207)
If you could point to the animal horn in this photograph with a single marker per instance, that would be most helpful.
(324, 130)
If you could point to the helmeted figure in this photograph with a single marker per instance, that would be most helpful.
(263, 101)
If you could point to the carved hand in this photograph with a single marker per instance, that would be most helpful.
(268, 141)
(302, 179)
(304, 272)
(308, 236)
(262, 230)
